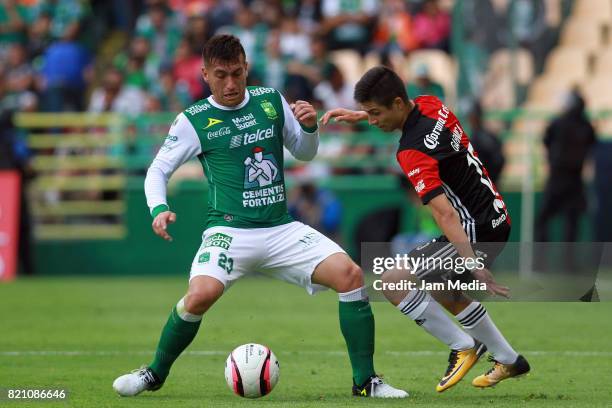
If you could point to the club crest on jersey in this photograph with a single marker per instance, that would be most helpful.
(212, 122)
(269, 110)
(204, 258)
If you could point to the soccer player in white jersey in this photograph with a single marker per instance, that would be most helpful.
(238, 135)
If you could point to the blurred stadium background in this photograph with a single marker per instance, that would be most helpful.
(88, 90)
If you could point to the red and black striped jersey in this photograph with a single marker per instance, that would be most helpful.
(436, 155)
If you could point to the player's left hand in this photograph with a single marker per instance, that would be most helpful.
(305, 113)
(485, 276)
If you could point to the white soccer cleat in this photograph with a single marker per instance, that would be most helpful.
(375, 387)
(139, 380)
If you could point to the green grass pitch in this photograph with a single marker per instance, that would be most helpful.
(81, 333)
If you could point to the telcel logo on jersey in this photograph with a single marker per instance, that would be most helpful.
(431, 139)
(245, 121)
(218, 133)
(248, 138)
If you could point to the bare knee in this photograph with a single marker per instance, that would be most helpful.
(352, 278)
(454, 301)
(392, 281)
(386, 278)
(202, 295)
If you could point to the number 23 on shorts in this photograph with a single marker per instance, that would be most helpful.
(226, 263)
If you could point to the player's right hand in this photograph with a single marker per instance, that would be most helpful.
(485, 276)
(343, 115)
(161, 222)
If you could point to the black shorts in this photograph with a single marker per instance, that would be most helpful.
(440, 252)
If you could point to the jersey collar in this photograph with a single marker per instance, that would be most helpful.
(230, 108)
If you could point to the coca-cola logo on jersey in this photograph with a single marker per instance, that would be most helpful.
(218, 133)
(431, 140)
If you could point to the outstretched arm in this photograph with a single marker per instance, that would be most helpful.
(343, 115)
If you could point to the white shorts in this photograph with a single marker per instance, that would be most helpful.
(289, 252)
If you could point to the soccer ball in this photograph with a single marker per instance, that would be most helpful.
(251, 370)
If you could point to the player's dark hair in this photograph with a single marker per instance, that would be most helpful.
(224, 47)
(380, 85)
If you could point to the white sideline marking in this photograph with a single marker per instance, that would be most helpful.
(422, 353)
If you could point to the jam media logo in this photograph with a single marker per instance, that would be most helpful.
(260, 170)
(269, 110)
(212, 122)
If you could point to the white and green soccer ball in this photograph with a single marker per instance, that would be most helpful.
(251, 370)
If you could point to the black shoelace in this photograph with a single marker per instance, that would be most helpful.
(452, 361)
(148, 376)
(491, 359)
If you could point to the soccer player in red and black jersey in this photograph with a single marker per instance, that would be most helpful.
(437, 157)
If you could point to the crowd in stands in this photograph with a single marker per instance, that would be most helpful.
(145, 55)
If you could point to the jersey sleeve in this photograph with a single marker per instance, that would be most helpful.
(303, 145)
(423, 172)
(181, 144)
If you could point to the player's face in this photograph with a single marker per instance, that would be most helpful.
(385, 118)
(227, 80)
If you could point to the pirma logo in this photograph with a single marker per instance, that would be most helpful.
(212, 122)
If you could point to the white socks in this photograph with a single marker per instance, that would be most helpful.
(476, 321)
(354, 295)
(184, 314)
(427, 313)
